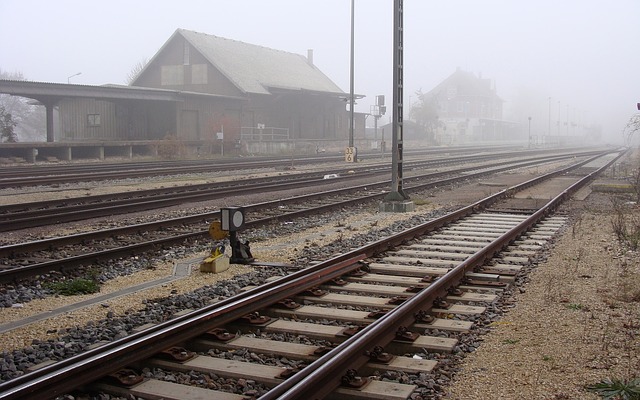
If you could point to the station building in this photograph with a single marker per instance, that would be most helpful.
(210, 93)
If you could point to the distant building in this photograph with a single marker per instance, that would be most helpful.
(283, 93)
(410, 131)
(468, 110)
(201, 88)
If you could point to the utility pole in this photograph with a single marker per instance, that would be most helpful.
(351, 153)
(397, 200)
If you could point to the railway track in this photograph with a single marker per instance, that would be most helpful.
(383, 310)
(28, 215)
(24, 260)
(18, 176)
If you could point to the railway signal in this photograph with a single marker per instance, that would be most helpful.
(232, 220)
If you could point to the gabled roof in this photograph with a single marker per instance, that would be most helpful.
(466, 84)
(255, 69)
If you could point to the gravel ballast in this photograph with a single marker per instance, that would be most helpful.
(572, 322)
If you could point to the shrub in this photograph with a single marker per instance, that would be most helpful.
(617, 389)
(170, 148)
(626, 226)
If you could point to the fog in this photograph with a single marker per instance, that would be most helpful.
(579, 57)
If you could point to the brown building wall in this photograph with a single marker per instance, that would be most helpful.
(87, 119)
(203, 118)
(305, 116)
(173, 55)
(90, 119)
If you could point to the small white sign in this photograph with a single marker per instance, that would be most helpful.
(351, 154)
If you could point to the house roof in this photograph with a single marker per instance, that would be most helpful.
(466, 84)
(256, 69)
(43, 91)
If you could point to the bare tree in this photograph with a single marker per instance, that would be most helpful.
(135, 71)
(631, 128)
(7, 124)
(425, 112)
(29, 117)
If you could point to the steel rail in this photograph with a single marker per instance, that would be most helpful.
(13, 217)
(66, 375)
(42, 174)
(27, 215)
(8, 249)
(22, 272)
(210, 166)
(71, 262)
(323, 376)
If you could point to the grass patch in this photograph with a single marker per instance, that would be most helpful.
(574, 306)
(617, 389)
(74, 287)
(510, 341)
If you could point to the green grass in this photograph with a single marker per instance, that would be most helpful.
(74, 287)
(617, 389)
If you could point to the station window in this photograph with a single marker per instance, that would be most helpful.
(199, 74)
(93, 119)
(171, 75)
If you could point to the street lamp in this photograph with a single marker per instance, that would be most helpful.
(69, 78)
(549, 128)
(529, 132)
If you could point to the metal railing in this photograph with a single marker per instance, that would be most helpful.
(267, 133)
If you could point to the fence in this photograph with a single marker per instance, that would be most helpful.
(248, 133)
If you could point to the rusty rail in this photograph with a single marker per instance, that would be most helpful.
(320, 377)
(324, 375)
(72, 262)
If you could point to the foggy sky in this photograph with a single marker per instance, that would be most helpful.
(581, 53)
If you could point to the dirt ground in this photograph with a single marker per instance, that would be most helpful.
(575, 323)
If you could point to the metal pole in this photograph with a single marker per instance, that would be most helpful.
(529, 132)
(558, 121)
(549, 130)
(351, 118)
(375, 125)
(567, 120)
(396, 193)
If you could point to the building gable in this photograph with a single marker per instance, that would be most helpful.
(178, 65)
(256, 69)
(206, 63)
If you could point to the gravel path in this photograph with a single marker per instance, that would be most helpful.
(576, 321)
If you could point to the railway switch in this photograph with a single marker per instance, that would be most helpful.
(216, 262)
